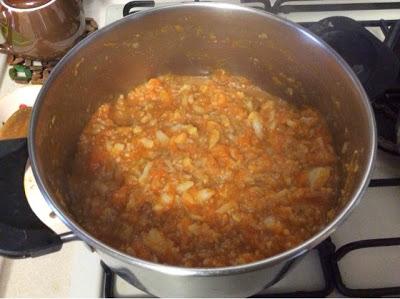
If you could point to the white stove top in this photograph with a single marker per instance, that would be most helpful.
(76, 272)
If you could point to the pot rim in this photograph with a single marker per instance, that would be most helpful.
(220, 271)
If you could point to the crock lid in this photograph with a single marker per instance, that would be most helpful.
(25, 3)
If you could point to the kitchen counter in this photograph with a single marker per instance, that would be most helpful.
(59, 274)
(50, 275)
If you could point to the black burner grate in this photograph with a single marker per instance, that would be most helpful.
(326, 251)
(328, 255)
(287, 6)
(329, 259)
(108, 282)
(290, 6)
(371, 292)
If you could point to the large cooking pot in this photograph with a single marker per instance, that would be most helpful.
(194, 39)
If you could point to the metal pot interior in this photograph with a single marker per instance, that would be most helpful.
(197, 39)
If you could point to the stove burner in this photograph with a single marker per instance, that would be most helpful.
(373, 60)
(284, 6)
(326, 252)
(362, 244)
(329, 257)
(374, 63)
(387, 112)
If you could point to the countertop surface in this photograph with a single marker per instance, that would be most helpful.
(59, 274)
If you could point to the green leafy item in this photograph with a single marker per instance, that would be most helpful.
(16, 70)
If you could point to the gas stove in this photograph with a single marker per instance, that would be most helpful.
(362, 258)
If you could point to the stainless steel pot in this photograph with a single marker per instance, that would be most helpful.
(276, 54)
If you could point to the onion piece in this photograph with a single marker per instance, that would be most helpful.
(205, 194)
(256, 123)
(145, 172)
(162, 137)
(184, 186)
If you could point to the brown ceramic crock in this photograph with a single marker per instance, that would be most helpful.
(40, 29)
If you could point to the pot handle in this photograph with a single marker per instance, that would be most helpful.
(22, 234)
(132, 4)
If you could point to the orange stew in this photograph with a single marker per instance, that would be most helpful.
(203, 172)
